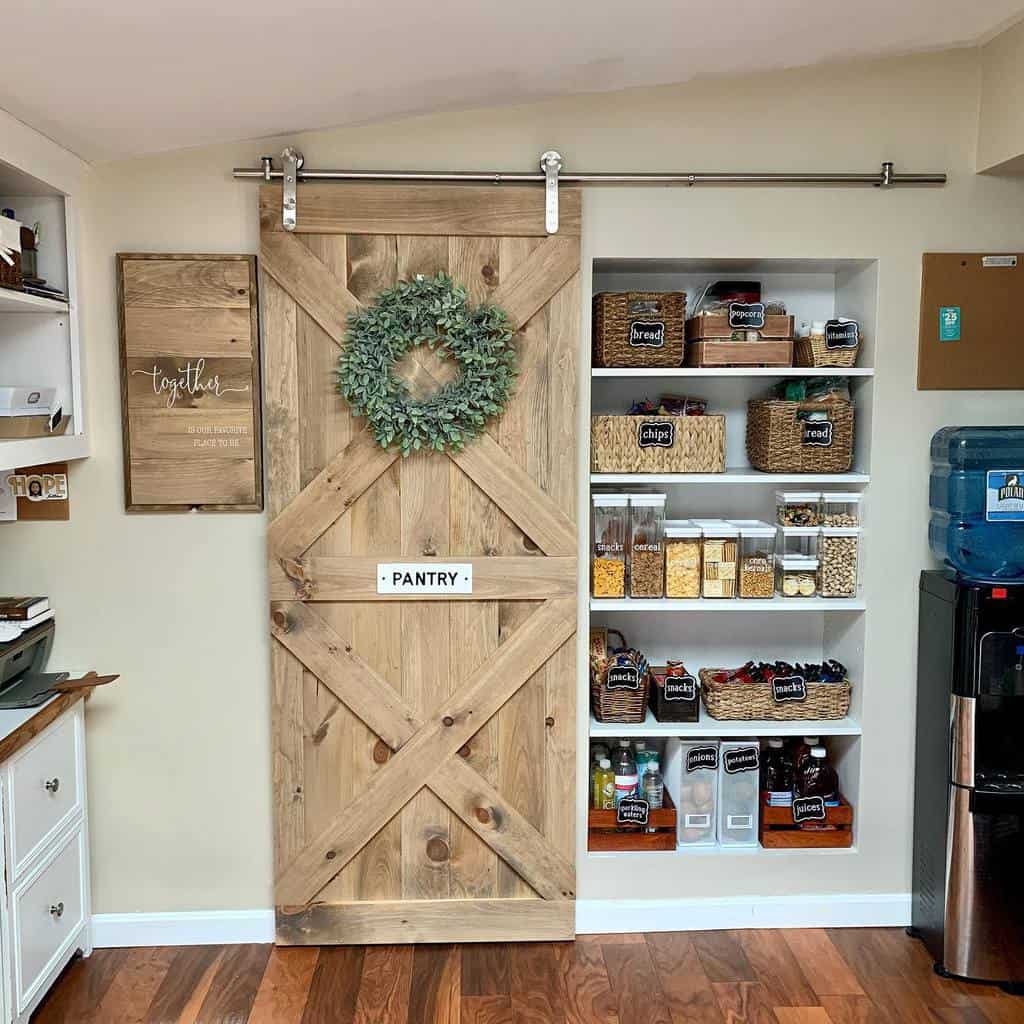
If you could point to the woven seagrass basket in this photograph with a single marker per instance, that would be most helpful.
(639, 328)
(623, 707)
(741, 702)
(657, 444)
(814, 352)
(778, 440)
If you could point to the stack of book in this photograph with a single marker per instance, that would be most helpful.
(18, 614)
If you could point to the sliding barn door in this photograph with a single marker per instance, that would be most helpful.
(423, 748)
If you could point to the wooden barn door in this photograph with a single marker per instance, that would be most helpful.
(423, 749)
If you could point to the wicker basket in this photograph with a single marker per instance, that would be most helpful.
(657, 444)
(779, 442)
(639, 328)
(814, 352)
(623, 707)
(744, 702)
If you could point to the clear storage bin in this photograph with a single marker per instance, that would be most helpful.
(839, 555)
(756, 573)
(840, 508)
(646, 545)
(739, 764)
(798, 541)
(796, 576)
(691, 768)
(798, 508)
(682, 559)
(608, 560)
(719, 553)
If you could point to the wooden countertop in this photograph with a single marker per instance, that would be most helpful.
(18, 727)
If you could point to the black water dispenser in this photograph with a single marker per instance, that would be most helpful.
(968, 871)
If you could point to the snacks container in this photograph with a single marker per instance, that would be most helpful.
(691, 776)
(798, 540)
(839, 555)
(608, 561)
(796, 576)
(674, 693)
(756, 574)
(646, 545)
(840, 508)
(739, 770)
(798, 508)
(719, 542)
(682, 559)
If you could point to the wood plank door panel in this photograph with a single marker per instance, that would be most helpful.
(423, 749)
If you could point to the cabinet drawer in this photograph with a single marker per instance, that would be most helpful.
(45, 789)
(47, 913)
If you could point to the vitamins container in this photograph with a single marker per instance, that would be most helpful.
(796, 576)
(646, 545)
(608, 561)
(799, 540)
(691, 775)
(839, 555)
(756, 574)
(840, 508)
(798, 508)
(739, 763)
(719, 552)
(682, 559)
(976, 494)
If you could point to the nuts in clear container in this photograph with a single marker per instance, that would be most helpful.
(839, 555)
(840, 509)
(798, 508)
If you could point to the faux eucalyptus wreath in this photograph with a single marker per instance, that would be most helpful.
(429, 311)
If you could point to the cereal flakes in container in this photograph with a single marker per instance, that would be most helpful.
(682, 559)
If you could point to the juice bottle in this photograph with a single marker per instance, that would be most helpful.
(603, 791)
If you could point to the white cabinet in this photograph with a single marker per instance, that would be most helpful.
(44, 908)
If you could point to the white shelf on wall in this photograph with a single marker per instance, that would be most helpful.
(12, 301)
(648, 373)
(35, 451)
(709, 727)
(734, 604)
(736, 475)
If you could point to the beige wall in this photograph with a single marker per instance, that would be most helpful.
(1001, 118)
(179, 750)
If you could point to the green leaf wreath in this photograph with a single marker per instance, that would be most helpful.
(429, 311)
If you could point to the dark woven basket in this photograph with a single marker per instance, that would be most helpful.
(776, 437)
(619, 330)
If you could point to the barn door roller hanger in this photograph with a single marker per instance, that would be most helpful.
(551, 174)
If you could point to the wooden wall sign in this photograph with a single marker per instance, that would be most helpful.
(190, 383)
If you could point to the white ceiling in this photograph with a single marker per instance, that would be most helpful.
(113, 78)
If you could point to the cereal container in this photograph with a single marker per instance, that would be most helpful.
(839, 555)
(798, 508)
(840, 509)
(646, 545)
(691, 775)
(608, 562)
(682, 559)
(757, 558)
(739, 764)
(719, 542)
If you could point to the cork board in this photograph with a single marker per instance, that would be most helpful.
(971, 335)
(190, 384)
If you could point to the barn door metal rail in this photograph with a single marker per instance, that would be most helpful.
(551, 175)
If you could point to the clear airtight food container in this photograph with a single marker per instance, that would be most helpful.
(796, 576)
(739, 764)
(719, 555)
(646, 545)
(840, 508)
(691, 768)
(798, 540)
(798, 508)
(682, 559)
(756, 573)
(608, 561)
(839, 555)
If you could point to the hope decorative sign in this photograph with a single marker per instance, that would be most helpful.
(190, 384)
(419, 578)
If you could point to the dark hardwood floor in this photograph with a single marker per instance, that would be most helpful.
(849, 976)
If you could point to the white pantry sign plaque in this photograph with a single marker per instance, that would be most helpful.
(419, 578)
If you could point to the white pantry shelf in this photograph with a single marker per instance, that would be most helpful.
(34, 451)
(646, 373)
(727, 604)
(735, 475)
(12, 301)
(709, 727)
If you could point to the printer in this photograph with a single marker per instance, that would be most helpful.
(23, 683)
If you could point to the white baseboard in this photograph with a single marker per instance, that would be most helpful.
(217, 927)
(187, 928)
(840, 910)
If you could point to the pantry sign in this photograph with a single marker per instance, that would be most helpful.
(417, 579)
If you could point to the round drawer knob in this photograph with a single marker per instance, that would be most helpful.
(57, 909)
(51, 785)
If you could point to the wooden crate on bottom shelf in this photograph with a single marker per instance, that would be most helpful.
(603, 837)
(779, 832)
(719, 352)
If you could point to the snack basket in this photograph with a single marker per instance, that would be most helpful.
(746, 701)
(621, 699)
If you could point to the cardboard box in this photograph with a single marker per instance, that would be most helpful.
(33, 426)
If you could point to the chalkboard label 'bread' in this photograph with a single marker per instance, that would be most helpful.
(623, 677)
(680, 688)
(654, 434)
(632, 811)
(841, 334)
(817, 433)
(746, 316)
(808, 808)
(741, 759)
(789, 688)
(702, 757)
(647, 334)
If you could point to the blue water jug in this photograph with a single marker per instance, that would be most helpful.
(976, 493)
